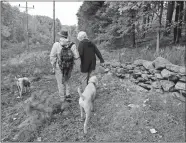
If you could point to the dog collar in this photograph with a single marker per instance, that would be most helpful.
(94, 84)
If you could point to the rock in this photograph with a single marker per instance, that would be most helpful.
(106, 70)
(158, 76)
(139, 62)
(148, 65)
(140, 79)
(176, 68)
(148, 82)
(183, 92)
(182, 70)
(160, 63)
(123, 65)
(167, 85)
(172, 67)
(180, 86)
(144, 76)
(166, 73)
(145, 72)
(129, 67)
(149, 75)
(122, 76)
(136, 75)
(153, 71)
(153, 78)
(118, 74)
(116, 64)
(183, 79)
(179, 96)
(107, 63)
(142, 68)
(101, 69)
(146, 86)
(120, 70)
(156, 85)
(173, 78)
(159, 90)
(139, 88)
(130, 71)
(127, 75)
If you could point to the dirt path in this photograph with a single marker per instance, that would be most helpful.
(121, 114)
(115, 120)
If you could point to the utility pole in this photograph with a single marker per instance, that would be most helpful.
(54, 35)
(27, 38)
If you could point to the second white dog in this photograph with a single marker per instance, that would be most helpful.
(22, 83)
(86, 99)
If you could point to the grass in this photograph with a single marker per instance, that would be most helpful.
(175, 54)
(113, 119)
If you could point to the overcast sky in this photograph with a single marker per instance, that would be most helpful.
(65, 11)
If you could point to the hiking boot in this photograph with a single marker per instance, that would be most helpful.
(68, 98)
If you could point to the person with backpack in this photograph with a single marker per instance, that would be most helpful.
(62, 56)
(87, 52)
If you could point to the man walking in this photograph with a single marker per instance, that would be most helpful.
(62, 58)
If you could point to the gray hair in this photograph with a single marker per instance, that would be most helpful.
(82, 35)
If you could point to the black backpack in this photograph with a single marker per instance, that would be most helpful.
(66, 59)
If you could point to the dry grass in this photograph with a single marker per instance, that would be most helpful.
(175, 54)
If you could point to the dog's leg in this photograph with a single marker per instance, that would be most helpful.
(21, 91)
(81, 109)
(18, 88)
(86, 121)
(92, 107)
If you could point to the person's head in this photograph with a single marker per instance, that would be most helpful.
(82, 35)
(63, 37)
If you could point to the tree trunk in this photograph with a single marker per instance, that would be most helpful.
(144, 21)
(133, 35)
(180, 18)
(185, 18)
(160, 7)
(170, 10)
(133, 28)
(178, 21)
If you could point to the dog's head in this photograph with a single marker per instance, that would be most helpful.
(94, 80)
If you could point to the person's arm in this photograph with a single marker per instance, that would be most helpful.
(80, 49)
(53, 55)
(98, 54)
(74, 51)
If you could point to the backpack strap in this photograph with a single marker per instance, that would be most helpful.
(70, 45)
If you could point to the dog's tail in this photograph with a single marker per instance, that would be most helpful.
(80, 94)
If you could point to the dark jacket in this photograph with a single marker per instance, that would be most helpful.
(88, 52)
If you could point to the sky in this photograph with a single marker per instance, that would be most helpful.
(64, 11)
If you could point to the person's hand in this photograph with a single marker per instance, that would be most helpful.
(102, 64)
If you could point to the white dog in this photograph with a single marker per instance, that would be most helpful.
(87, 98)
(22, 83)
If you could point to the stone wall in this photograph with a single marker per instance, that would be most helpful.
(159, 74)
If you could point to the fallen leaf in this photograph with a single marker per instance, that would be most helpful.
(153, 131)
(133, 106)
(39, 139)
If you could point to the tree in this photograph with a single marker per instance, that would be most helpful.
(178, 21)
(170, 10)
